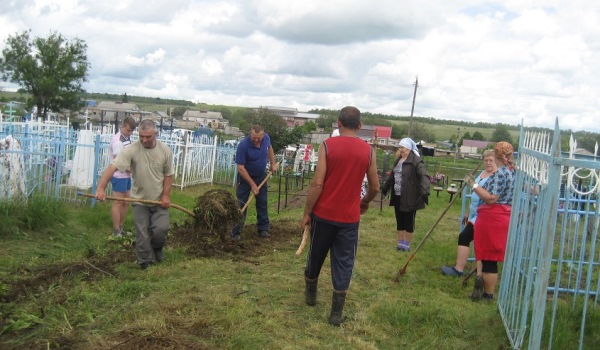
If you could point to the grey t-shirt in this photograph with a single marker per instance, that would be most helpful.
(149, 166)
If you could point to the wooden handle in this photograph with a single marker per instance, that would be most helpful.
(137, 200)
(252, 193)
(402, 270)
(303, 243)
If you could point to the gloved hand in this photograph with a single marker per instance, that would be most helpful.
(426, 199)
(469, 180)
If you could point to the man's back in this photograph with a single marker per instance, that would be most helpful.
(348, 159)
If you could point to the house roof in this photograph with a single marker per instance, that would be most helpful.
(118, 106)
(383, 132)
(202, 114)
(475, 143)
(310, 116)
(286, 109)
(369, 131)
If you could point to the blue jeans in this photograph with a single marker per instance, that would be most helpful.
(261, 202)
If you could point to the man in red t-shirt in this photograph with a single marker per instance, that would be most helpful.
(333, 208)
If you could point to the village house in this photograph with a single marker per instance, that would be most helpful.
(473, 147)
(374, 134)
(291, 116)
(208, 119)
(110, 111)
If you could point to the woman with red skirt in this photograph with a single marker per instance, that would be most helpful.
(493, 218)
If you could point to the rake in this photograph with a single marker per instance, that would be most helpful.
(402, 271)
(137, 200)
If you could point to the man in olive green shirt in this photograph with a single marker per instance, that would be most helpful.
(151, 165)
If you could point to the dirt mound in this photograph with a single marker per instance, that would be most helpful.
(202, 243)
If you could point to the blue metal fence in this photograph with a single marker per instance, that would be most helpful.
(551, 276)
(55, 161)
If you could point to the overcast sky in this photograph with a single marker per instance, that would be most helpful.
(493, 61)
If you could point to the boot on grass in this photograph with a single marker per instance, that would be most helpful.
(311, 291)
(337, 307)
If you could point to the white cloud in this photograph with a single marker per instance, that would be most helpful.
(508, 61)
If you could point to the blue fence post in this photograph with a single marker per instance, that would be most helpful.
(96, 163)
(541, 288)
(60, 159)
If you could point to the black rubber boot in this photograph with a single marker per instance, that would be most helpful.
(337, 306)
(311, 291)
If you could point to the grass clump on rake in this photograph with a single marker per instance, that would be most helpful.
(217, 211)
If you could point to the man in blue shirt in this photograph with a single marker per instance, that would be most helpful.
(251, 160)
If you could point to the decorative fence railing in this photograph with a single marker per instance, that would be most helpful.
(55, 161)
(550, 281)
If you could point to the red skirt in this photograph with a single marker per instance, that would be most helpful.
(491, 231)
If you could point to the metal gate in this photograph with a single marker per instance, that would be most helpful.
(550, 281)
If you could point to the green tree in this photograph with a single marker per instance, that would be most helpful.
(325, 121)
(51, 69)
(398, 131)
(124, 98)
(275, 126)
(309, 127)
(239, 116)
(501, 133)
(478, 136)
(419, 131)
(466, 136)
(178, 111)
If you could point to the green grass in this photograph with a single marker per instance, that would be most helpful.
(254, 303)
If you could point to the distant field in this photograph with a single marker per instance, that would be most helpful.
(445, 131)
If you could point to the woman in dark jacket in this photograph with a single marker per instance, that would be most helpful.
(409, 187)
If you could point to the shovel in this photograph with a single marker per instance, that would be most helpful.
(137, 200)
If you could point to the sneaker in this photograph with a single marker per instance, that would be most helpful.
(403, 248)
(451, 271)
(264, 234)
(477, 290)
(236, 237)
(117, 235)
(145, 265)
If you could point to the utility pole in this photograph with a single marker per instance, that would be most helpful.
(412, 110)
(457, 148)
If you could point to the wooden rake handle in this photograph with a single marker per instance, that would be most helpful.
(303, 243)
(402, 270)
(252, 193)
(136, 200)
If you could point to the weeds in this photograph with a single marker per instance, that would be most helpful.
(36, 214)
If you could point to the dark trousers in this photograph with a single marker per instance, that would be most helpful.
(261, 201)
(342, 241)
